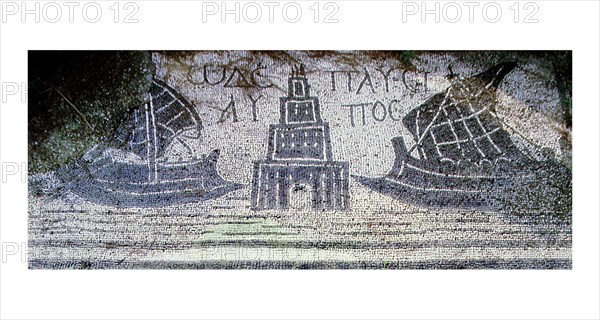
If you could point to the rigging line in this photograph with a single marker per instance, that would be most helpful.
(430, 123)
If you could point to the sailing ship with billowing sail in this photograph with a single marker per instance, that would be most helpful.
(461, 155)
(134, 168)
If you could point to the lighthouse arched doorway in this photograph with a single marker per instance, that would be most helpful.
(300, 197)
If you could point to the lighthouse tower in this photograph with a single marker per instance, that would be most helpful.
(299, 157)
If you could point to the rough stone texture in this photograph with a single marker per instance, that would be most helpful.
(77, 99)
(364, 97)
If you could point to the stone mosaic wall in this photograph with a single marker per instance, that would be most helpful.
(312, 159)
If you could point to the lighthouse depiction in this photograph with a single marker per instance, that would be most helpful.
(299, 157)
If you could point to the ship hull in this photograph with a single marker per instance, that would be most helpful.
(124, 186)
(413, 181)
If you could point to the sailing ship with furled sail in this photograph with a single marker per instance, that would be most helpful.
(134, 168)
(461, 153)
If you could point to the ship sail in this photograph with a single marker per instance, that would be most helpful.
(166, 117)
(458, 127)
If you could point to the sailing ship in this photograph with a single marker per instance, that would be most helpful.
(134, 168)
(461, 154)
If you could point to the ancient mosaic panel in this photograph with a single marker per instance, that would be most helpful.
(300, 159)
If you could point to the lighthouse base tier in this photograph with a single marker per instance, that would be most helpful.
(277, 184)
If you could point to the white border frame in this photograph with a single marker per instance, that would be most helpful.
(177, 25)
